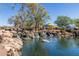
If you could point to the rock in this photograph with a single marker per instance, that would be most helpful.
(11, 46)
(7, 34)
(3, 51)
(76, 33)
(13, 31)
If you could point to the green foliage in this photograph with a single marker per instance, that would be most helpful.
(62, 21)
(29, 16)
(5, 27)
(76, 22)
(63, 42)
(14, 20)
(37, 14)
(29, 24)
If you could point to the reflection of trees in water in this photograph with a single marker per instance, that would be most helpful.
(35, 48)
(69, 42)
(38, 50)
(77, 40)
(63, 42)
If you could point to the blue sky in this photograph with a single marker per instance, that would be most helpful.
(54, 10)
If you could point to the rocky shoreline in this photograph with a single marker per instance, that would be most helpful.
(12, 42)
(44, 33)
(9, 45)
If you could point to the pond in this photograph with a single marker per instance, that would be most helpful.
(52, 46)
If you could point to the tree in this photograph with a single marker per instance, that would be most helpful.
(29, 24)
(63, 21)
(17, 21)
(30, 15)
(76, 21)
(38, 14)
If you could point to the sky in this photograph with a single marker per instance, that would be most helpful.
(53, 9)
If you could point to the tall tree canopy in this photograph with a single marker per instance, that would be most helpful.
(33, 13)
(63, 21)
(37, 14)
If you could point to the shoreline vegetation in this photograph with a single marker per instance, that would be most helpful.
(30, 23)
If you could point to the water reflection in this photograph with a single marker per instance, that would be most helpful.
(57, 46)
(77, 41)
(63, 42)
(34, 47)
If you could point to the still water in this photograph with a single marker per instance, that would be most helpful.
(52, 46)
